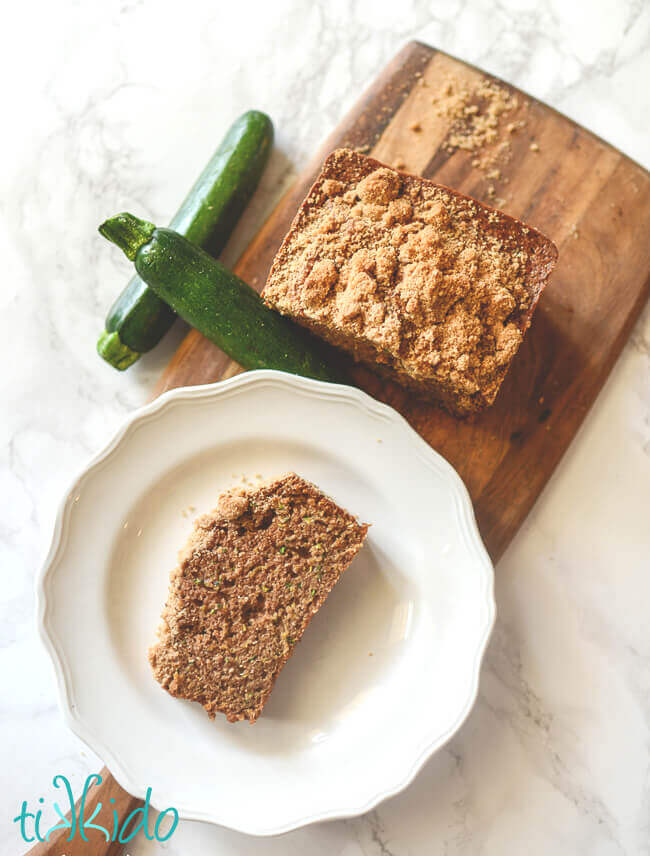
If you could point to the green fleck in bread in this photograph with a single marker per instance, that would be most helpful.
(254, 573)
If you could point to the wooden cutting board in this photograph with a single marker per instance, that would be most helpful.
(588, 197)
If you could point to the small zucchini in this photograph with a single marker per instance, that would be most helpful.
(139, 318)
(215, 301)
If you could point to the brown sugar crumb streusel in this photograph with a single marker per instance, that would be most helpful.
(252, 576)
(481, 114)
(475, 111)
(420, 282)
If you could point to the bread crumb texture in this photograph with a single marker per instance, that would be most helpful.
(475, 110)
(481, 115)
(418, 281)
(252, 576)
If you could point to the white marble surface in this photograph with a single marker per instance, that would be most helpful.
(104, 99)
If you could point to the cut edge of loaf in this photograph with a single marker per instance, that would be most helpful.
(234, 505)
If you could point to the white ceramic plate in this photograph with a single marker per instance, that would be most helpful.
(387, 671)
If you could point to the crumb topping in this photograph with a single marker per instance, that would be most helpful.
(475, 110)
(480, 115)
(430, 279)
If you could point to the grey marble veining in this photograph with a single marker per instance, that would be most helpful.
(119, 107)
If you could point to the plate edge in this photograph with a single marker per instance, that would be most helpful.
(321, 389)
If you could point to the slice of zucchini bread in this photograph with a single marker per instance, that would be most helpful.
(422, 283)
(253, 574)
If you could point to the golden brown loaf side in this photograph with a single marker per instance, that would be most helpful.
(418, 281)
(254, 573)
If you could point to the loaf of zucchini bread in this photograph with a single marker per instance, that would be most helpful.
(254, 573)
(420, 282)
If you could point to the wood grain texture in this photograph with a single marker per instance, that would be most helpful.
(589, 198)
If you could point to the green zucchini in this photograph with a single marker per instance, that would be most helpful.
(215, 301)
(139, 318)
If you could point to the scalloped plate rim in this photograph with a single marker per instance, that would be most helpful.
(465, 511)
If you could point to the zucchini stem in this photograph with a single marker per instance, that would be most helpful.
(129, 233)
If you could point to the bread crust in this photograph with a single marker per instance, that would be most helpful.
(448, 319)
